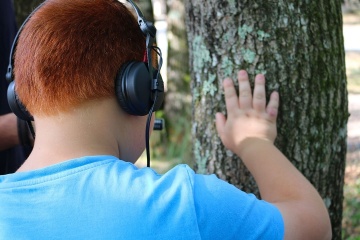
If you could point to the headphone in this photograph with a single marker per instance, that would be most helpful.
(139, 87)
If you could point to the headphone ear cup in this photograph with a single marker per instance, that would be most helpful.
(133, 88)
(15, 104)
(119, 92)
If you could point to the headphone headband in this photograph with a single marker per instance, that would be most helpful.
(149, 31)
(139, 87)
(145, 26)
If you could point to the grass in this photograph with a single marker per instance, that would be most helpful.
(351, 204)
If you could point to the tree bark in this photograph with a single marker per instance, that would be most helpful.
(298, 45)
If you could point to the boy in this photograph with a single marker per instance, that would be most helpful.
(80, 182)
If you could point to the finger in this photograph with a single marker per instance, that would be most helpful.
(259, 99)
(244, 90)
(273, 106)
(220, 123)
(231, 99)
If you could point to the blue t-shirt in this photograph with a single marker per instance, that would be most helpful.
(102, 197)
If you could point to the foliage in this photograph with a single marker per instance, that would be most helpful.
(173, 144)
(351, 215)
(23, 8)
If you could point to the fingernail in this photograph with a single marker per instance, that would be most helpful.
(242, 72)
(260, 77)
(227, 81)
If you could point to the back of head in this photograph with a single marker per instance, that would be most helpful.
(70, 51)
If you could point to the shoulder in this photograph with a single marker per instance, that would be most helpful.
(218, 203)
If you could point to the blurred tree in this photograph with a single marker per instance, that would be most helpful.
(23, 8)
(351, 5)
(146, 8)
(299, 46)
(178, 100)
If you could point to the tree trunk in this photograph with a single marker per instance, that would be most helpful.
(178, 99)
(299, 46)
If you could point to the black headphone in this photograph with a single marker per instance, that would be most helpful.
(139, 87)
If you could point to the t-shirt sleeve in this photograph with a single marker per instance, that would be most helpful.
(225, 212)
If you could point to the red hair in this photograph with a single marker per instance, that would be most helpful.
(70, 51)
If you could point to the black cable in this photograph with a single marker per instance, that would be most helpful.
(147, 131)
(159, 53)
(31, 128)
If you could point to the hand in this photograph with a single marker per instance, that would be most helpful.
(248, 116)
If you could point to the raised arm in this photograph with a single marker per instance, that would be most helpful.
(249, 131)
(13, 131)
(8, 131)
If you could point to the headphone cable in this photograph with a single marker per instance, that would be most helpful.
(31, 128)
(147, 132)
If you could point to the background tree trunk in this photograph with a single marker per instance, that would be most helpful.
(178, 100)
(299, 46)
(351, 5)
(23, 8)
(146, 8)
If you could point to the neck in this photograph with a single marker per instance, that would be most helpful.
(92, 129)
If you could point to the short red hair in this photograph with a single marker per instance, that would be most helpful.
(70, 51)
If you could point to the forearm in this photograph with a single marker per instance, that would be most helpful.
(283, 185)
(276, 177)
(8, 131)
